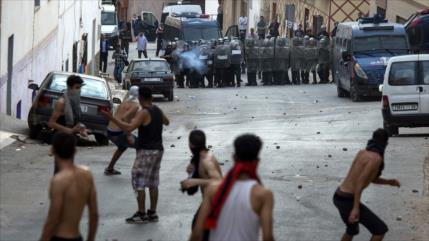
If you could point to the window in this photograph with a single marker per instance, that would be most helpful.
(108, 18)
(36, 5)
(381, 12)
(91, 88)
(403, 73)
(400, 20)
(425, 72)
(149, 66)
(380, 42)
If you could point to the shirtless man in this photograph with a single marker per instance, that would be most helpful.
(123, 140)
(72, 188)
(366, 168)
(67, 113)
(203, 167)
(227, 211)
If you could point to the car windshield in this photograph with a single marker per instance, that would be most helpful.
(391, 44)
(151, 66)
(195, 34)
(91, 88)
(108, 18)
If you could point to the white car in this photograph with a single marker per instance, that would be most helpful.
(405, 89)
(109, 24)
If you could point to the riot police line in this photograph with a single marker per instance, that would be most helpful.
(218, 62)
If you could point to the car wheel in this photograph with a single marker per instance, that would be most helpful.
(354, 95)
(391, 130)
(102, 140)
(170, 96)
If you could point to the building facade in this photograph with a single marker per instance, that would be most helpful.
(312, 14)
(397, 11)
(39, 36)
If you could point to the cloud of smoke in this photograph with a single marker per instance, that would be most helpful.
(190, 60)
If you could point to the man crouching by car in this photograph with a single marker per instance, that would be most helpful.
(67, 113)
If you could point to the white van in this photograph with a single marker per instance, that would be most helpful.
(109, 24)
(405, 89)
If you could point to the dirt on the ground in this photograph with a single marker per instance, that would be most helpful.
(421, 221)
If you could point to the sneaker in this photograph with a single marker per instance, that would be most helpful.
(138, 217)
(152, 216)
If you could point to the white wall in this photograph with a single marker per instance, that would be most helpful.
(254, 13)
(43, 40)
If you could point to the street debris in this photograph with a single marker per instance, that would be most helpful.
(330, 156)
(415, 191)
(178, 138)
(399, 218)
(299, 186)
(318, 133)
(344, 149)
(209, 146)
(172, 146)
(278, 147)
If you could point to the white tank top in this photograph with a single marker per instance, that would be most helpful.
(237, 220)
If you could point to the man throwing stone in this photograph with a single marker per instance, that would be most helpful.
(239, 206)
(366, 168)
(123, 140)
(145, 171)
(72, 188)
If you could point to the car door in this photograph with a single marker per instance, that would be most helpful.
(150, 24)
(403, 88)
(232, 32)
(424, 87)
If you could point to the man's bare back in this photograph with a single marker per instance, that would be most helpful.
(71, 190)
(362, 159)
(125, 112)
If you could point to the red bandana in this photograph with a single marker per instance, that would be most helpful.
(226, 186)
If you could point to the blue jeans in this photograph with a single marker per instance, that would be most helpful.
(117, 73)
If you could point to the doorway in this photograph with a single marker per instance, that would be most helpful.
(9, 75)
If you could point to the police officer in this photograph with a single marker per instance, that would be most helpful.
(296, 59)
(267, 57)
(236, 59)
(221, 63)
(252, 55)
(323, 61)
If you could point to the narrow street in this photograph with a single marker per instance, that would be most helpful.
(310, 138)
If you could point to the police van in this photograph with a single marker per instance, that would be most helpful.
(191, 27)
(361, 51)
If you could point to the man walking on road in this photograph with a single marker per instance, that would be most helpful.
(71, 190)
(141, 45)
(123, 140)
(160, 32)
(239, 206)
(120, 58)
(104, 48)
(366, 168)
(145, 172)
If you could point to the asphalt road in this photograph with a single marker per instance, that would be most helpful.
(310, 138)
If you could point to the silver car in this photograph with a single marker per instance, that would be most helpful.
(95, 95)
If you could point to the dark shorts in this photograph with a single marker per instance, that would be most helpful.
(344, 202)
(119, 138)
(54, 238)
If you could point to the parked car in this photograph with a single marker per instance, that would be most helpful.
(361, 51)
(95, 95)
(154, 73)
(405, 89)
(417, 27)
